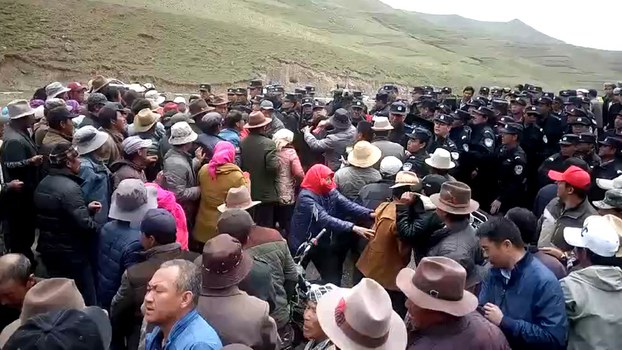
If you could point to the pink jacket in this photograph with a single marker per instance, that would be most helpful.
(290, 173)
(166, 201)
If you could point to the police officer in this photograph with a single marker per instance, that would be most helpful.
(231, 96)
(416, 152)
(397, 114)
(255, 88)
(478, 162)
(512, 172)
(500, 107)
(533, 142)
(610, 166)
(585, 149)
(205, 90)
(553, 130)
(358, 112)
(291, 118)
(382, 107)
(568, 149)
(442, 127)
(310, 89)
(580, 124)
(307, 108)
(460, 132)
(448, 99)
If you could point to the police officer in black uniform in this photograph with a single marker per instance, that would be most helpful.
(382, 107)
(568, 149)
(440, 139)
(478, 162)
(397, 115)
(586, 149)
(291, 118)
(460, 134)
(416, 152)
(358, 112)
(610, 153)
(552, 127)
(307, 108)
(512, 172)
(533, 142)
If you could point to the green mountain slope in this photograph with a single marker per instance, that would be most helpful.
(177, 43)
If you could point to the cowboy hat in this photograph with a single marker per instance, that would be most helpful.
(382, 124)
(257, 120)
(88, 139)
(455, 198)
(145, 119)
(406, 178)
(198, 108)
(364, 155)
(98, 83)
(17, 109)
(361, 318)
(437, 284)
(224, 263)
(131, 201)
(220, 100)
(440, 159)
(181, 134)
(238, 198)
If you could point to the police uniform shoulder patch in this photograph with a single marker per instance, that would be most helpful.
(546, 140)
(489, 142)
(407, 166)
(455, 155)
(619, 172)
(465, 147)
(518, 169)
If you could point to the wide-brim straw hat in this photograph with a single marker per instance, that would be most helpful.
(364, 155)
(382, 124)
(361, 318)
(145, 120)
(440, 159)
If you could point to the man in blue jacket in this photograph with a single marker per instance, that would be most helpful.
(520, 295)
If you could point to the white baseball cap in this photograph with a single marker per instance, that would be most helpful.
(607, 184)
(598, 234)
(179, 99)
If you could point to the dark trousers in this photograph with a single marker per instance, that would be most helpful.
(283, 216)
(264, 214)
(330, 254)
(19, 234)
(80, 270)
(398, 301)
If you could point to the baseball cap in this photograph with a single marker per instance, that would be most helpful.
(158, 222)
(612, 200)
(608, 184)
(432, 183)
(574, 176)
(179, 99)
(86, 329)
(75, 86)
(599, 234)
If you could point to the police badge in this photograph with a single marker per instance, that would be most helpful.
(465, 147)
(488, 142)
(518, 169)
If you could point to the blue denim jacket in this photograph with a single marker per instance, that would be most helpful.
(191, 332)
(96, 186)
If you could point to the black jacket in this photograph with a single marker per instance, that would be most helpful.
(65, 224)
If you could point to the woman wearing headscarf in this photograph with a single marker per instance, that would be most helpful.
(215, 180)
(290, 174)
(321, 206)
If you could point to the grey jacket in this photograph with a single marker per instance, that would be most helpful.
(350, 180)
(556, 217)
(180, 177)
(333, 145)
(592, 297)
(388, 149)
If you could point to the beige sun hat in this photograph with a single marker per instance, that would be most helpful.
(238, 198)
(364, 155)
(440, 159)
(181, 134)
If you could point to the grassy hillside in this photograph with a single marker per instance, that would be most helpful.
(177, 43)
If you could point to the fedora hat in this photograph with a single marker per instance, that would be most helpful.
(88, 139)
(47, 295)
(406, 178)
(382, 124)
(455, 198)
(220, 100)
(361, 318)
(440, 159)
(145, 119)
(257, 120)
(238, 198)
(341, 119)
(364, 155)
(198, 108)
(131, 201)
(438, 284)
(181, 134)
(225, 264)
(98, 83)
(19, 109)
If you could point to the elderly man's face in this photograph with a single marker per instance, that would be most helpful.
(163, 300)
(12, 292)
(222, 109)
(311, 328)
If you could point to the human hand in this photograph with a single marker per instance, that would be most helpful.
(372, 215)
(160, 178)
(407, 198)
(199, 155)
(15, 185)
(554, 252)
(363, 232)
(493, 314)
(306, 129)
(95, 207)
(495, 206)
(36, 160)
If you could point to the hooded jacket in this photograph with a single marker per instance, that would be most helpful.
(320, 206)
(592, 297)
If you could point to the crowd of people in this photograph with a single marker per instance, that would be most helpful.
(134, 219)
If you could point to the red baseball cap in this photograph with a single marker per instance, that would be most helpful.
(171, 106)
(574, 176)
(75, 86)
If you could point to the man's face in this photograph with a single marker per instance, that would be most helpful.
(396, 119)
(584, 148)
(66, 127)
(530, 118)
(73, 164)
(556, 105)
(415, 96)
(77, 95)
(12, 292)
(508, 139)
(222, 109)
(380, 104)
(253, 91)
(498, 253)
(617, 123)
(515, 108)
(358, 113)
(287, 104)
(121, 122)
(240, 125)
(204, 94)
(414, 145)
(609, 90)
(306, 110)
(231, 98)
(311, 328)
(606, 151)
(617, 98)
(567, 150)
(563, 191)
(441, 129)
(267, 112)
(163, 301)
(143, 153)
(478, 119)
(467, 95)
(546, 108)
(256, 107)
(578, 128)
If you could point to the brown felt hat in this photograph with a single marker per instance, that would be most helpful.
(225, 264)
(455, 198)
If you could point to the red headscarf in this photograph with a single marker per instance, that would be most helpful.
(224, 153)
(319, 180)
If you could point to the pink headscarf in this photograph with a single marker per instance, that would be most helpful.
(224, 153)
